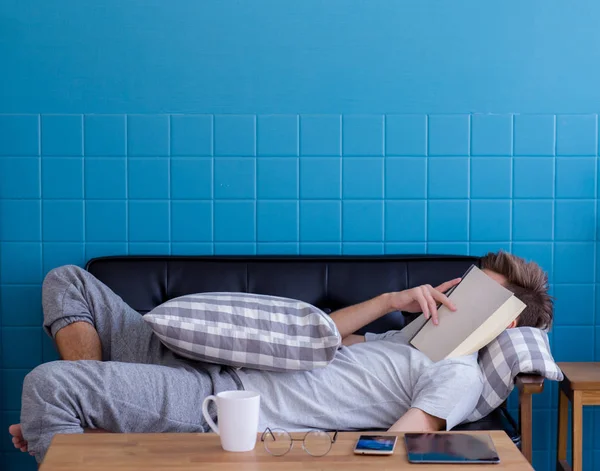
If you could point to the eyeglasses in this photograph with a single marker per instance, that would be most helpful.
(278, 442)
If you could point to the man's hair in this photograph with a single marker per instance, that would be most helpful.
(529, 282)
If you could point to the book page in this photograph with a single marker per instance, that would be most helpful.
(491, 328)
(477, 298)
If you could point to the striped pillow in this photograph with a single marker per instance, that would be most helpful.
(246, 330)
(514, 351)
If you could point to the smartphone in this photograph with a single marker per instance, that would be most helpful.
(375, 445)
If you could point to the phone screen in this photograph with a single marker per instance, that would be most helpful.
(379, 443)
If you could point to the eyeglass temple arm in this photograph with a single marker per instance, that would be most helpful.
(262, 438)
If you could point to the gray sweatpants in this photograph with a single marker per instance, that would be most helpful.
(140, 386)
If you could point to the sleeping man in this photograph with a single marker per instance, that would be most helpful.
(116, 375)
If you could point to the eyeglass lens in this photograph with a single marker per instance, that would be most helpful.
(278, 442)
(317, 443)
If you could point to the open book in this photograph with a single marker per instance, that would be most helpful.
(484, 308)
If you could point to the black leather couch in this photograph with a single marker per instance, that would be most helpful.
(330, 283)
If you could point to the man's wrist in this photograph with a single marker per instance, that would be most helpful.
(387, 303)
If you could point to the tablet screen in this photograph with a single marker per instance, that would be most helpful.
(450, 448)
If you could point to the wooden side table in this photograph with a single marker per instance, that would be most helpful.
(581, 386)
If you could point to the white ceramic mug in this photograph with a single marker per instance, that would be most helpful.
(237, 414)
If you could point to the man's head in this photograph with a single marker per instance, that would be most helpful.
(528, 281)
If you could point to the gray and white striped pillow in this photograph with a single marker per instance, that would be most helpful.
(246, 330)
(514, 351)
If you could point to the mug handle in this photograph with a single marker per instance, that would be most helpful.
(206, 415)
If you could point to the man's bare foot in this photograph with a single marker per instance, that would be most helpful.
(18, 440)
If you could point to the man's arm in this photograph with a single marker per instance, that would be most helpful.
(352, 339)
(445, 394)
(353, 318)
(420, 299)
(416, 420)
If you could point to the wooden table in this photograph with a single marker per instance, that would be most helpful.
(581, 386)
(202, 452)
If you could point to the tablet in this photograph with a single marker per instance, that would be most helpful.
(463, 448)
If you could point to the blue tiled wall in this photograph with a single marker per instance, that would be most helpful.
(310, 127)
(287, 184)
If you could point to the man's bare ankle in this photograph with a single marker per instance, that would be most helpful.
(79, 341)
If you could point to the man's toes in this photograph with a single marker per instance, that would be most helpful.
(18, 441)
(15, 430)
(20, 444)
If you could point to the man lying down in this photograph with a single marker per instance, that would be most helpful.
(116, 375)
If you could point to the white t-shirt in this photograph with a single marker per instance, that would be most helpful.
(369, 385)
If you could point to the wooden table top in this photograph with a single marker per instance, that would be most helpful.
(582, 376)
(202, 452)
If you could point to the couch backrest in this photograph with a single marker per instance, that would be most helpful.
(329, 283)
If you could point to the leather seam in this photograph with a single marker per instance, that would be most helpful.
(167, 295)
(247, 287)
(327, 283)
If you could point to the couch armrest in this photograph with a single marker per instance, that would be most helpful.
(527, 384)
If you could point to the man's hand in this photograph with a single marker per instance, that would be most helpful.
(424, 299)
